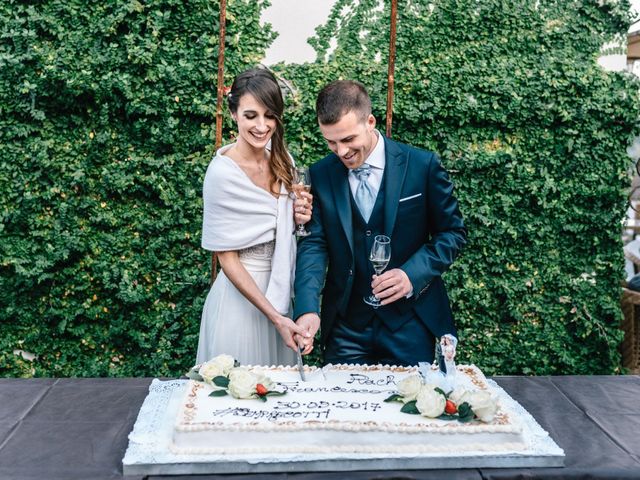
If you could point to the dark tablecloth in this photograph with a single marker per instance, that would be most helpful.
(77, 429)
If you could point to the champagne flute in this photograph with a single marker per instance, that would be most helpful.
(379, 257)
(301, 183)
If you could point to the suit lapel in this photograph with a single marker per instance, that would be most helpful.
(396, 170)
(340, 184)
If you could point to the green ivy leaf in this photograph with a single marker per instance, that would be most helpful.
(130, 135)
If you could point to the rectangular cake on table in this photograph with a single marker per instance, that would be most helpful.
(232, 419)
(339, 409)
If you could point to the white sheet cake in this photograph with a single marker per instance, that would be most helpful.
(339, 409)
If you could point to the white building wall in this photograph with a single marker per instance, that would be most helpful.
(295, 21)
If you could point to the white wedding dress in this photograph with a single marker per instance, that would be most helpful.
(240, 216)
(232, 325)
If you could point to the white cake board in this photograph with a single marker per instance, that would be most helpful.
(148, 452)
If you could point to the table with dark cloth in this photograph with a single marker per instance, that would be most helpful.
(77, 429)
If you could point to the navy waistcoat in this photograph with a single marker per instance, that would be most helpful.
(358, 313)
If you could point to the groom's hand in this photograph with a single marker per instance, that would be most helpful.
(392, 285)
(310, 323)
(289, 331)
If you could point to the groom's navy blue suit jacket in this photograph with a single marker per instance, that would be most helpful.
(422, 218)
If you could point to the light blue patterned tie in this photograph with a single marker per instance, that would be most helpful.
(364, 197)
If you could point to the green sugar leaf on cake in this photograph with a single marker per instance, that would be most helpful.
(410, 407)
(274, 394)
(447, 416)
(465, 414)
(394, 398)
(221, 381)
(218, 393)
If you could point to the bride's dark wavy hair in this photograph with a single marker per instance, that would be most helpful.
(262, 84)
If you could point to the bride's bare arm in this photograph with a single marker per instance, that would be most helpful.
(238, 275)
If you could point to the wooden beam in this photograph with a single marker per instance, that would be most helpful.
(219, 105)
(633, 46)
(392, 66)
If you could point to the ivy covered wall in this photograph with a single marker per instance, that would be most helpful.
(106, 130)
(106, 126)
(534, 134)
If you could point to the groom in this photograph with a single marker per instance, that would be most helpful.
(371, 185)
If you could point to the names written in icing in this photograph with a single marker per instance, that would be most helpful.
(354, 380)
(361, 379)
(273, 415)
(283, 410)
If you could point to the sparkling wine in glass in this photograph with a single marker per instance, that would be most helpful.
(301, 183)
(379, 258)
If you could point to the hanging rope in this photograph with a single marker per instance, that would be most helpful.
(392, 66)
(219, 106)
(223, 33)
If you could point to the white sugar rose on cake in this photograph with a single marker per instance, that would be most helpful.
(432, 401)
(224, 375)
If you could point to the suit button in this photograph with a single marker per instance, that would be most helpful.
(350, 272)
(368, 233)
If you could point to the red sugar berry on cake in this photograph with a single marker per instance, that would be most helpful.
(450, 407)
(261, 389)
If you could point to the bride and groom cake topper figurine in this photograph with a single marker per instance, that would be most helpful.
(368, 186)
(443, 368)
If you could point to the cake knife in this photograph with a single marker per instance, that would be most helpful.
(300, 366)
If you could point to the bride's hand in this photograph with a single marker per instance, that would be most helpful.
(287, 328)
(302, 208)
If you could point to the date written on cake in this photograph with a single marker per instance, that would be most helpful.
(320, 410)
(312, 405)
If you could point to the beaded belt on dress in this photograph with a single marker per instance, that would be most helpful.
(262, 250)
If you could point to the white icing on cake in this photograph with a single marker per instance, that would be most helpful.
(339, 409)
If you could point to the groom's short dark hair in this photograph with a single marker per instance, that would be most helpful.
(341, 97)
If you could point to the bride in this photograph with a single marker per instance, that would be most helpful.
(248, 221)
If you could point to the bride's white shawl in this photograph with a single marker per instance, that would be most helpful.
(238, 214)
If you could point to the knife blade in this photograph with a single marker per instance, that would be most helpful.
(300, 365)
